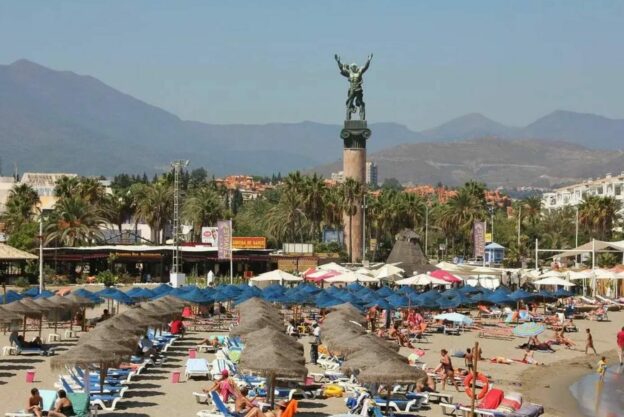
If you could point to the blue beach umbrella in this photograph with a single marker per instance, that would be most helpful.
(398, 301)
(11, 296)
(561, 293)
(162, 289)
(529, 329)
(44, 294)
(379, 303)
(385, 292)
(521, 295)
(112, 293)
(88, 294)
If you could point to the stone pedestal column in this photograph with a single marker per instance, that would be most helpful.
(354, 134)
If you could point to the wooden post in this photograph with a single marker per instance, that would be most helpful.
(475, 361)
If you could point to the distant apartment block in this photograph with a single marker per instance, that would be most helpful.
(338, 177)
(372, 175)
(572, 195)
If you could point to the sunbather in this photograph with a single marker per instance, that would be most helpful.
(212, 341)
(63, 407)
(426, 385)
(528, 358)
(226, 387)
(35, 403)
(561, 339)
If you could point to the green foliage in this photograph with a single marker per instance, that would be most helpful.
(107, 278)
(392, 184)
(21, 282)
(331, 247)
(25, 236)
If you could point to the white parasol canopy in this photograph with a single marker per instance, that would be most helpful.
(586, 274)
(276, 275)
(388, 271)
(333, 266)
(422, 279)
(554, 281)
(351, 277)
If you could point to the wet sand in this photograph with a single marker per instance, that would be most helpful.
(153, 394)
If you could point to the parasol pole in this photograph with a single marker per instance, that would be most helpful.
(475, 361)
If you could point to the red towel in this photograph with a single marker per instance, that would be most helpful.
(492, 399)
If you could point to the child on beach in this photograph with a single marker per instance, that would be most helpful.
(589, 343)
(602, 367)
(35, 402)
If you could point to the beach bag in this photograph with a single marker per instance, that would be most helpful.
(511, 402)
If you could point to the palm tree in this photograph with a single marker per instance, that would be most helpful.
(20, 206)
(203, 207)
(332, 207)
(313, 199)
(73, 222)
(351, 197)
(153, 203)
(459, 214)
(66, 186)
(286, 220)
(91, 190)
(599, 215)
(117, 208)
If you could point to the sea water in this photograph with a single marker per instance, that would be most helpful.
(598, 398)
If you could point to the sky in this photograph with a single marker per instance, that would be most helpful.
(272, 61)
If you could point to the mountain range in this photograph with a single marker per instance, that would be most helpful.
(61, 121)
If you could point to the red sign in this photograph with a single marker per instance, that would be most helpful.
(244, 242)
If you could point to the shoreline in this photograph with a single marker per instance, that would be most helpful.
(552, 389)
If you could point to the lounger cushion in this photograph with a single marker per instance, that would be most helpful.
(511, 402)
(492, 399)
(529, 410)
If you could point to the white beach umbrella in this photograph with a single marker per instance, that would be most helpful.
(586, 274)
(600, 273)
(333, 266)
(276, 275)
(554, 281)
(421, 279)
(388, 271)
(351, 277)
(552, 273)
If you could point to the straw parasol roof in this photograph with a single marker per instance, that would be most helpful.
(34, 307)
(269, 362)
(6, 315)
(142, 316)
(171, 301)
(9, 253)
(268, 333)
(127, 322)
(366, 358)
(159, 309)
(391, 371)
(255, 302)
(78, 300)
(122, 326)
(85, 356)
(19, 307)
(62, 301)
(105, 342)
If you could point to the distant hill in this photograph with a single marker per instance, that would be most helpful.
(497, 162)
(61, 121)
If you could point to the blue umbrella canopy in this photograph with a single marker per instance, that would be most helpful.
(529, 329)
(521, 295)
(385, 292)
(140, 293)
(499, 298)
(502, 289)
(379, 303)
(112, 293)
(162, 289)
(31, 292)
(87, 294)
(44, 294)
(561, 293)
(195, 295)
(12, 296)
(355, 286)
(398, 301)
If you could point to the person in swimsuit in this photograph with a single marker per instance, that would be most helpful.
(447, 369)
(63, 407)
(468, 358)
(35, 403)
(226, 387)
(589, 343)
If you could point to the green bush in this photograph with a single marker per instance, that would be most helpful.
(21, 282)
(107, 278)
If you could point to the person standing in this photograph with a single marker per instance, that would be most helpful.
(468, 358)
(620, 343)
(447, 369)
(589, 343)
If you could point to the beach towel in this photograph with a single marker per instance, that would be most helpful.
(510, 403)
(492, 399)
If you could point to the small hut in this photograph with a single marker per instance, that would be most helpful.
(408, 254)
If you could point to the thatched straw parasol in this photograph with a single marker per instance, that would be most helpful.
(25, 308)
(6, 315)
(111, 334)
(122, 326)
(78, 300)
(86, 356)
(366, 358)
(142, 316)
(101, 342)
(275, 336)
(130, 323)
(255, 302)
(257, 348)
(171, 301)
(391, 371)
(62, 301)
(159, 309)
(251, 325)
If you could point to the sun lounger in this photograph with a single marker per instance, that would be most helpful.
(219, 408)
(78, 386)
(48, 398)
(80, 403)
(218, 365)
(401, 404)
(97, 399)
(196, 367)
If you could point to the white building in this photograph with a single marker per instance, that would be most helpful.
(338, 177)
(6, 185)
(371, 173)
(572, 195)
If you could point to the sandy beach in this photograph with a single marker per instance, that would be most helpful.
(153, 394)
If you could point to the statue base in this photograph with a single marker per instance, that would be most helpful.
(354, 134)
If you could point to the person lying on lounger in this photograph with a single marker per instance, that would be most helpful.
(211, 341)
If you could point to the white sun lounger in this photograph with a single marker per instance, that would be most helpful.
(196, 367)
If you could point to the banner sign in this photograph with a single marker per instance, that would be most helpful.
(210, 236)
(478, 239)
(224, 241)
(246, 242)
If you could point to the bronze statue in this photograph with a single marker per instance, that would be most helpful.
(356, 92)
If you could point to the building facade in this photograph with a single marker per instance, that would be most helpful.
(372, 175)
(572, 195)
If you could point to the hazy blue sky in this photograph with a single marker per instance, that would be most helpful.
(265, 61)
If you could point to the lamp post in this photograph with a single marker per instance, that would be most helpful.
(576, 226)
(426, 228)
(41, 252)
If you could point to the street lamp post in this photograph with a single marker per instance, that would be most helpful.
(41, 252)
(426, 229)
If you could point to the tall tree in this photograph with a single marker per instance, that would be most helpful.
(153, 203)
(73, 222)
(203, 207)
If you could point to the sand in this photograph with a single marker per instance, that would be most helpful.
(152, 394)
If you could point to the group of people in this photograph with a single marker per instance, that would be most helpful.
(244, 406)
(62, 407)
